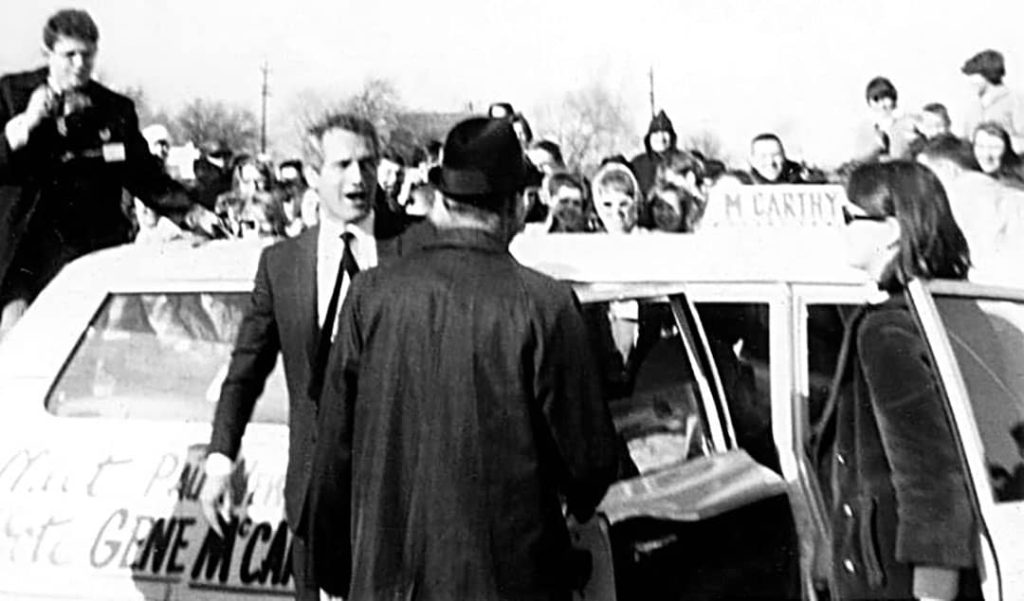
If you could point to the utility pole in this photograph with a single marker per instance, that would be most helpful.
(263, 119)
(650, 75)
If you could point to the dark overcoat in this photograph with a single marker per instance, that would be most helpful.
(899, 490)
(461, 406)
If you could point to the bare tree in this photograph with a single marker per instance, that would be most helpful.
(201, 120)
(589, 124)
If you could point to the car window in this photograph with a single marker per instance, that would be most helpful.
(648, 383)
(738, 335)
(987, 337)
(159, 356)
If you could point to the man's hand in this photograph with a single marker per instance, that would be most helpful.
(200, 219)
(213, 498)
(42, 103)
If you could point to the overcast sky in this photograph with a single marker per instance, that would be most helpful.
(735, 67)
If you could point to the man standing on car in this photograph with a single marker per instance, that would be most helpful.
(461, 405)
(68, 147)
(295, 299)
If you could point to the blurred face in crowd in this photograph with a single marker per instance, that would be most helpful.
(70, 62)
(159, 146)
(251, 179)
(988, 151)
(660, 140)
(567, 203)
(978, 83)
(387, 173)
(869, 242)
(290, 177)
(616, 209)
(932, 124)
(767, 158)
(882, 106)
(348, 177)
(667, 211)
(542, 160)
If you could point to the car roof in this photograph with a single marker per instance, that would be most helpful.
(759, 255)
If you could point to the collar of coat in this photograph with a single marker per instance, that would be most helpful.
(468, 238)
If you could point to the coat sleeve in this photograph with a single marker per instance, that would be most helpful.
(331, 477)
(935, 524)
(252, 360)
(575, 411)
(145, 177)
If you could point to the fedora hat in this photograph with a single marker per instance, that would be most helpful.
(482, 161)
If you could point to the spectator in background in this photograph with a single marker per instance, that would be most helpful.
(659, 143)
(390, 173)
(873, 141)
(433, 152)
(159, 141)
(934, 120)
(996, 102)
(249, 176)
(768, 162)
(993, 151)
(572, 210)
(500, 110)
(294, 189)
(616, 196)
(671, 208)
(545, 156)
(684, 171)
(990, 214)
(262, 216)
(213, 172)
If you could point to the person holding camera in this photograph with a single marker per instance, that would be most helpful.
(68, 147)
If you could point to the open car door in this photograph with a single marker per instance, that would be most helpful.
(977, 337)
(683, 481)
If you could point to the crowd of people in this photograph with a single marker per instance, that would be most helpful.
(444, 412)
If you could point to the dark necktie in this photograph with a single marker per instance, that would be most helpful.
(348, 266)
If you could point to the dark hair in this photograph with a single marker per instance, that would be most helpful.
(566, 179)
(937, 108)
(433, 149)
(681, 162)
(765, 137)
(70, 23)
(1009, 161)
(950, 148)
(987, 63)
(931, 244)
(551, 148)
(297, 165)
(348, 122)
(686, 205)
(880, 87)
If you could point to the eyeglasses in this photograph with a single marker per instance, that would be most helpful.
(849, 216)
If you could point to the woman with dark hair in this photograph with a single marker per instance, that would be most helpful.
(671, 209)
(902, 522)
(994, 153)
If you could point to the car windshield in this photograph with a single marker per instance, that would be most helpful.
(987, 337)
(160, 356)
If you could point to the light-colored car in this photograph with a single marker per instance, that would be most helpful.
(716, 351)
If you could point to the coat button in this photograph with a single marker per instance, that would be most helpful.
(848, 566)
(841, 459)
(847, 510)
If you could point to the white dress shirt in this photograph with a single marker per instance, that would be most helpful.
(329, 249)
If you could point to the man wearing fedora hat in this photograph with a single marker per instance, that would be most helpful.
(460, 407)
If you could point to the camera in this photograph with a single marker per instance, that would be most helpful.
(80, 126)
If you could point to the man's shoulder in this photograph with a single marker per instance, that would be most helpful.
(544, 288)
(288, 248)
(25, 80)
(104, 95)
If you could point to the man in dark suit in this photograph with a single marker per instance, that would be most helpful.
(68, 147)
(294, 303)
